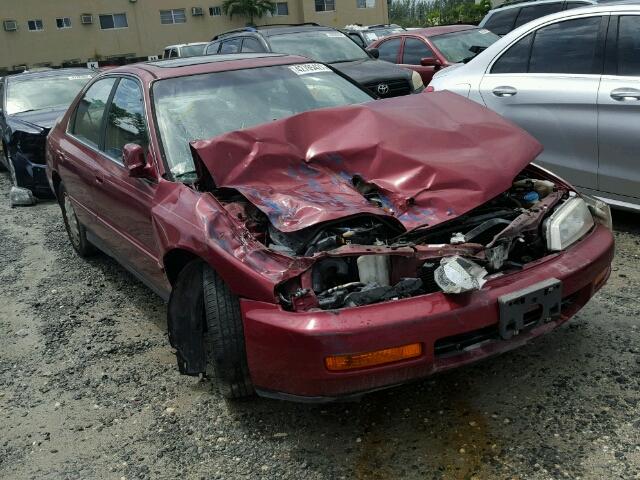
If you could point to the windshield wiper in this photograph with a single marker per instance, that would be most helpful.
(348, 60)
(182, 175)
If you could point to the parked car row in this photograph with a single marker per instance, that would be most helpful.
(313, 241)
(322, 44)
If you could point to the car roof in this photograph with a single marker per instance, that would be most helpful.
(178, 67)
(269, 30)
(58, 72)
(179, 45)
(365, 28)
(527, 3)
(440, 30)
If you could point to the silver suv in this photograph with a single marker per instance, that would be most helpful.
(501, 20)
(572, 80)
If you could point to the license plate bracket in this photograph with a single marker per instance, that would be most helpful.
(530, 307)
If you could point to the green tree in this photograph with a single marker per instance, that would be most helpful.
(248, 8)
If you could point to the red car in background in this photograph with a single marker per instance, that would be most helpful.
(428, 50)
(314, 243)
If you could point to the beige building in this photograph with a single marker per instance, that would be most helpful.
(58, 32)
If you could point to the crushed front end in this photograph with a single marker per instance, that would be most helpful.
(402, 260)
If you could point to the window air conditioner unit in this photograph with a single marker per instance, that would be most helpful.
(86, 19)
(197, 11)
(10, 25)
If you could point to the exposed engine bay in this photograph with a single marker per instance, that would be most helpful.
(366, 259)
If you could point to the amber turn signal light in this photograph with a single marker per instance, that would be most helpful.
(338, 363)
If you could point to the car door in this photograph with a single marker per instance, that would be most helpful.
(123, 204)
(619, 110)
(390, 49)
(547, 82)
(78, 149)
(413, 51)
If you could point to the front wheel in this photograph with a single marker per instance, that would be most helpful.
(226, 357)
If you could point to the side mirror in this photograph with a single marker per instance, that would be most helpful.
(374, 52)
(135, 163)
(430, 62)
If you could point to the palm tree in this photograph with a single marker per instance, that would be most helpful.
(248, 8)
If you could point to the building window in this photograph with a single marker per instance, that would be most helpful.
(282, 9)
(35, 25)
(170, 17)
(325, 5)
(113, 20)
(366, 3)
(64, 22)
(215, 11)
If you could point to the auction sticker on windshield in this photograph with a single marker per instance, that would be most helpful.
(305, 68)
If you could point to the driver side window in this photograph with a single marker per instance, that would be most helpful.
(126, 120)
(87, 124)
(389, 50)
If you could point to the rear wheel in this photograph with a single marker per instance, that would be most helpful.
(75, 230)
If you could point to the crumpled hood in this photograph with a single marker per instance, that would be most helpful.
(432, 156)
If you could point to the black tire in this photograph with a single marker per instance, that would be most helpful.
(3, 167)
(75, 230)
(226, 356)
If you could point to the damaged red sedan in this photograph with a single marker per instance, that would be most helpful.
(313, 243)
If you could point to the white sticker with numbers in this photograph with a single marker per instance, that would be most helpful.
(305, 68)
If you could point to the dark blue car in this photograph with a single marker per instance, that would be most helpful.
(30, 104)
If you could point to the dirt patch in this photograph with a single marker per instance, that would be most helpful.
(89, 389)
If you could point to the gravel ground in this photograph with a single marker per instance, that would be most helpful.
(89, 389)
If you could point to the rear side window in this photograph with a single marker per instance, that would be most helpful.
(125, 121)
(231, 46)
(212, 48)
(389, 50)
(572, 46)
(501, 22)
(414, 51)
(629, 46)
(567, 47)
(87, 125)
(536, 11)
(516, 58)
(251, 45)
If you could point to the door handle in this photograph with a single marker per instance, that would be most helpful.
(624, 94)
(99, 180)
(504, 91)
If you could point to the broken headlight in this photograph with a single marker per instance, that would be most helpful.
(568, 224)
(601, 211)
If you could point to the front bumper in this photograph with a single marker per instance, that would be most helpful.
(286, 350)
(31, 175)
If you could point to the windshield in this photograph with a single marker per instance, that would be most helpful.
(324, 46)
(44, 92)
(192, 50)
(200, 107)
(455, 46)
